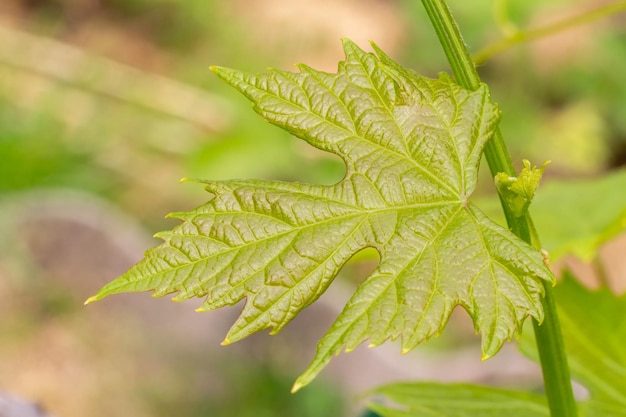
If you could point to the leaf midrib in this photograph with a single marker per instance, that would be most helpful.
(367, 212)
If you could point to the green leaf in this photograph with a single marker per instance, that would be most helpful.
(601, 409)
(519, 191)
(411, 146)
(457, 400)
(594, 330)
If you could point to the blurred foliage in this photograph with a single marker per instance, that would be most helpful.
(34, 155)
(249, 389)
(114, 98)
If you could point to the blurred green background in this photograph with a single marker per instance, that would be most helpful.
(106, 104)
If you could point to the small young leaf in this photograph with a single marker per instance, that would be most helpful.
(458, 400)
(519, 191)
(411, 146)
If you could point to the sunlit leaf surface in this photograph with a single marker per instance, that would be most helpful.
(411, 146)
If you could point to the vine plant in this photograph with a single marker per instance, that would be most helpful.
(411, 146)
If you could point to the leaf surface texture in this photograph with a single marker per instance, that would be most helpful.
(411, 146)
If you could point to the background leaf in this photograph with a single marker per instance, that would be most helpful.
(411, 146)
(594, 339)
(457, 400)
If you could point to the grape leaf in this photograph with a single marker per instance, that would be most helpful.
(420, 399)
(411, 146)
(594, 340)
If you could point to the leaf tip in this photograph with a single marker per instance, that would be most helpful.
(348, 44)
(91, 300)
(225, 342)
(296, 387)
(178, 215)
(491, 349)
(194, 180)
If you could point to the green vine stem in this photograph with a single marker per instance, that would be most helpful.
(550, 345)
(515, 37)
